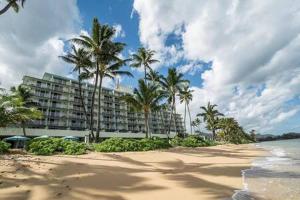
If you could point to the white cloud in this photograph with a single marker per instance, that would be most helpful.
(119, 30)
(32, 40)
(254, 46)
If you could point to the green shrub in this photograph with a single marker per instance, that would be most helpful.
(74, 148)
(4, 147)
(154, 143)
(191, 141)
(176, 141)
(50, 146)
(122, 145)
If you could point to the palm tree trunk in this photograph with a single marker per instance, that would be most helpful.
(145, 71)
(184, 116)
(99, 110)
(7, 7)
(93, 103)
(174, 109)
(213, 134)
(23, 127)
(146, 124)
(190, 118)
(163, 121)
(81, 96)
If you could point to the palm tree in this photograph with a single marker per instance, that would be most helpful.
(210, 116)
(186, 97)
(143, 58)
(12, 4)
(146, 99)
(172, 85)
(110, 66)
(94, 44)
(82, 61)
(196, 123)
(23, 105)
(153, 76)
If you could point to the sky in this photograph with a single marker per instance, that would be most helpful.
(243, 56)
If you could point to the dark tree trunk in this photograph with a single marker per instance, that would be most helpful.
(23, 127)
(190, 118)
(185, 116)
(146, 124)
(2, 11)
(93, 103)
(99, 110)
(82, 97)
(145, 71)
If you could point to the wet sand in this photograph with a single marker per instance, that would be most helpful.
(177, 174)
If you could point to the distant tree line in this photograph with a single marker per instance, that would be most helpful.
(285, 136)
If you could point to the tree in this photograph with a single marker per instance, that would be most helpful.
(143, 58)
(146, 99)
(25, 107)
(18, 108)
(153, 76)
(172, 85)
(105, 53)
(94, 45)
(15, 4)
(231, 131)
(186, 97)
(196, 123)
(82, 61)
(210, 116)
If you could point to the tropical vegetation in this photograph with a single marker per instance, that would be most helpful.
(97, 56)
(14, 4)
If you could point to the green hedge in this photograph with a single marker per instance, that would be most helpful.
(4, 147)
(122, 145)
(50, 146)
(191, 141)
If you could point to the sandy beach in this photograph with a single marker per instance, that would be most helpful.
(179, 173)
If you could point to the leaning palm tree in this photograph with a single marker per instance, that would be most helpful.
(172, 85)
(143, 58)
(15, 4)
(211, 117)
(94, 44)
(145, 99)
(186, 96)
(81, 59)
(24, 107)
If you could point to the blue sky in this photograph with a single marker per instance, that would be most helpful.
(241, 55)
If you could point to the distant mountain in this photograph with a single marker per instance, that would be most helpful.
(270, 137)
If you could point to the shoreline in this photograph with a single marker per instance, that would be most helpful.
(191, 173)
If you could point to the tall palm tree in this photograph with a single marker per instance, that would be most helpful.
(146, 99)
(110, 66)
(172, 85)
(94, 44)
(211, 116)
(82, 61)
(143, 58)
(12, 4)
(186, 97)
(24, 107)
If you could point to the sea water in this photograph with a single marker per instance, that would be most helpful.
(276, 176)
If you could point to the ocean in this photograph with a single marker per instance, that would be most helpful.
(276, 176)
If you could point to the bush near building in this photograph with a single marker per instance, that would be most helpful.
(4, 147)
(192, 141)
(51, 146)
(122, 145)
